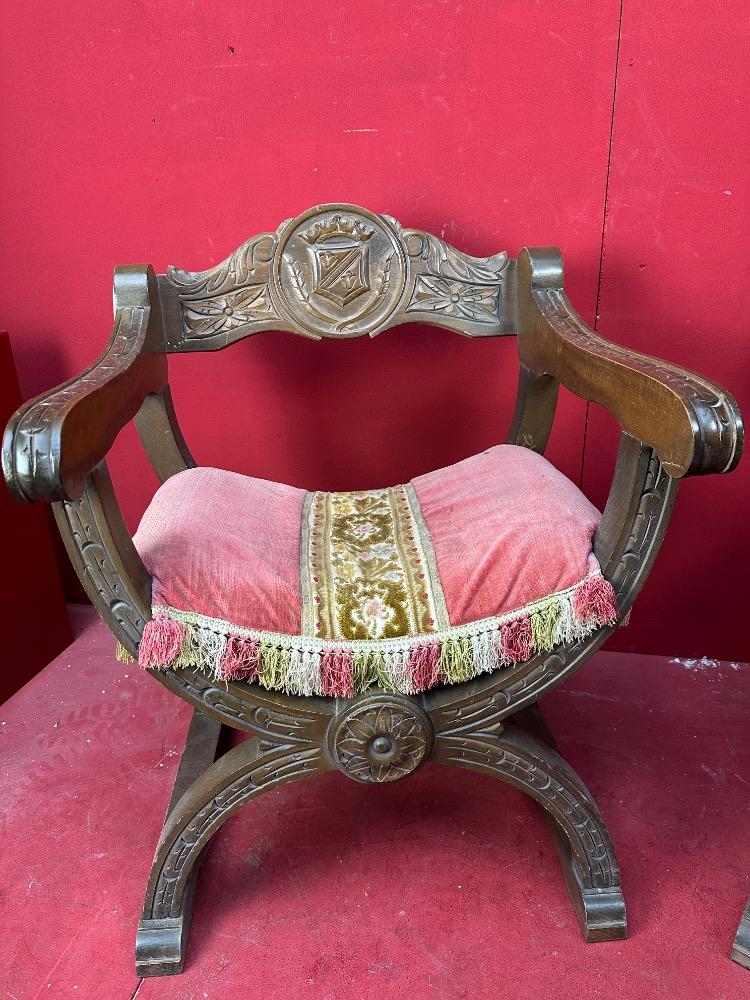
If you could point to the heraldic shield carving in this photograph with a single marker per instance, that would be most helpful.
(340, 265)
(341, 271)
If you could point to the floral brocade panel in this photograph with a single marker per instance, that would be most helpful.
(368, 570)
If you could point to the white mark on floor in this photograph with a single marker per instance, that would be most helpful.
(716, 774)
(694, 664)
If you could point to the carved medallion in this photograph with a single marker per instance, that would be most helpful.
(380, 738)
(338, 271)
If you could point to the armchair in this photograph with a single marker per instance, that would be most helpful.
(353, 636)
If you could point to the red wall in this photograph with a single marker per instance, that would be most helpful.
(169, 132)
(35, 623)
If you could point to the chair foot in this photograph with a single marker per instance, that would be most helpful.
(532, 764)
(601, 912)
(197, 811)
(740, 952)
(160, 944)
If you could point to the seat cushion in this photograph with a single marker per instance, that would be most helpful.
(464, 570)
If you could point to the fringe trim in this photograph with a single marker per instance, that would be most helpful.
(122, 655)
(307, 666)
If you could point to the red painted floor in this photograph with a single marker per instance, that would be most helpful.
(442, 886)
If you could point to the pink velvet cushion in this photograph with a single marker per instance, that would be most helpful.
(507, 529)
(226, 546)
(468, 568)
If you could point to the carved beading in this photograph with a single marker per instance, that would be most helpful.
(340, 271)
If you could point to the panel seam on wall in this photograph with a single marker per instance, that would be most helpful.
(604, 224)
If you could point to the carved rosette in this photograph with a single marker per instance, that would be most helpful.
(381, 738)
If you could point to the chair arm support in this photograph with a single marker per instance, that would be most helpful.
(52, 442)
(694, 426)
(105, 559)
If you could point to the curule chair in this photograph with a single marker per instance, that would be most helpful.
(375, 631)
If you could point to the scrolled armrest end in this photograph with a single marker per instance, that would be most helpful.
(52, 442)
(693, 424)
(719, 432)
(31, 463)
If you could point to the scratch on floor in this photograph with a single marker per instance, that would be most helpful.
(595, 697)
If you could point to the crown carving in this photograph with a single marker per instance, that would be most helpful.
(338, 226)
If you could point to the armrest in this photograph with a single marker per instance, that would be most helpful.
(694, 426)
(52, 442)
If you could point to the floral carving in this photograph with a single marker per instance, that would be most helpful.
(382, 740)
(367, 568)
(233, 294)
(205, 317)
(455, 298)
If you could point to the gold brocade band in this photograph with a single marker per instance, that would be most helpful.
(368, 570)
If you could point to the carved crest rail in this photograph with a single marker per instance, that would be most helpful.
(339, 271)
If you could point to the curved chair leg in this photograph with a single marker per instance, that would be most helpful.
(740, 952)
(586, 853)
(243, 773)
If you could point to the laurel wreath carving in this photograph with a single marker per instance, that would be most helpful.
(301, 290)
(383, 281)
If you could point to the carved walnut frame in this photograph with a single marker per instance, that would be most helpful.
(339, 272)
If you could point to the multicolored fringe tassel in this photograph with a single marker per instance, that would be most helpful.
(306, 666)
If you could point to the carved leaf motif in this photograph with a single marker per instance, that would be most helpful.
(445, 261)
(455, 298)
(294, 294)
(168, 894)
(237, 270)
(571, 808)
